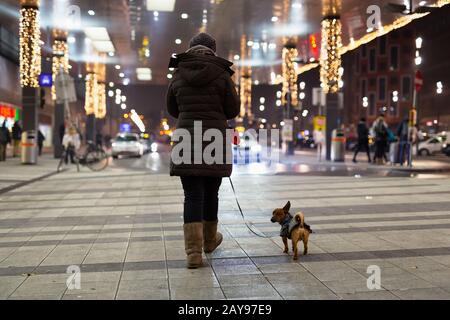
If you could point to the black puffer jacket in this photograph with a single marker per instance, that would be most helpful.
(202, 90)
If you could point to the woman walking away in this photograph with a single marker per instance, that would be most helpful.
(380, 130)
(201, 91)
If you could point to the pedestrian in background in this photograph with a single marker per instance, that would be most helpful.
(403, 137)
(71, 143)
(201, 90)
(363, 139)
(17, 138)
(413, 141)
(41, 139)
(380, 130)
(99, 139)
(5, 138)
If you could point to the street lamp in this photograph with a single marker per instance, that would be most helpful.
(439, 90)
(439, 87)
(419, 41)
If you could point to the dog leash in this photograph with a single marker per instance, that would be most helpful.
(242, 214)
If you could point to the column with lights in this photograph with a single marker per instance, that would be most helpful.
(91, 101)
(330, 73)
(245, 84)
(60, 64)
(100, 114)
(30, 62)
(289, 96)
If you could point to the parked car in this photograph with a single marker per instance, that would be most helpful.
(446, 149)
(127, 144)
(431, 145)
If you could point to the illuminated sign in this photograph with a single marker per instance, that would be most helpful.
(8, 112)
(45, 80)
(125, 127)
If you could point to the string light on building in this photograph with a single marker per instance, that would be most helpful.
(100, 71)
(60, 60)
(91, 101)
(101, 108)
(30, 49)
(290, 54)
(245, 81)
(330, 56)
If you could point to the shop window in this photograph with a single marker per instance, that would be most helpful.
(9, 45)
(394, 58)
(382, 45)
(363, 87)
(372, 104)
(406, 88)
(372, 60)
(382, 89)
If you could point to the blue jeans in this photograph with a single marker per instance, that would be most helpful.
(404, 150)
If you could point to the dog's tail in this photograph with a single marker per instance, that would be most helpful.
(300, 218)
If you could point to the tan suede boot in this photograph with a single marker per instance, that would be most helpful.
(193, 240)
(211, 238)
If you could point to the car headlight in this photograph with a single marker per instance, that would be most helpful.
(154, 147)
(113, 144)
(444, 145)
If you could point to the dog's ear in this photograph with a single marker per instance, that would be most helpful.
(287, 207)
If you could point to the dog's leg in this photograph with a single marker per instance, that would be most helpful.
(305, 243)
(295, 239)
(285, 241)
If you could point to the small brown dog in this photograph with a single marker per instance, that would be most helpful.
(292, 227)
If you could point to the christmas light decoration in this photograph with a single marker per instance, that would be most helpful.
(290, 54)
(330, 55)
(368, 37)
(30, 50)
(60, 56)
(91, 102)
(100, 69)
(101, 108)
(95, 102)
(245, 82)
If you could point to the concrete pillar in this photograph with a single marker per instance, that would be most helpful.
(332, 116)
(58, 120)
(90, 127)
(31, 99)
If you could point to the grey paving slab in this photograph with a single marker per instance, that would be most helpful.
(249, 291)
(125, 232)
(422, 294)
(370, 295)
(199, 294)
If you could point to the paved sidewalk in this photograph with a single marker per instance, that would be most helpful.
(13, 173)
(124, 230)
(436, 163)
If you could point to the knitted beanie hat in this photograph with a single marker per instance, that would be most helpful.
(203, 39)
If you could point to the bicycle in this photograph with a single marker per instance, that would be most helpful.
(94, 157)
